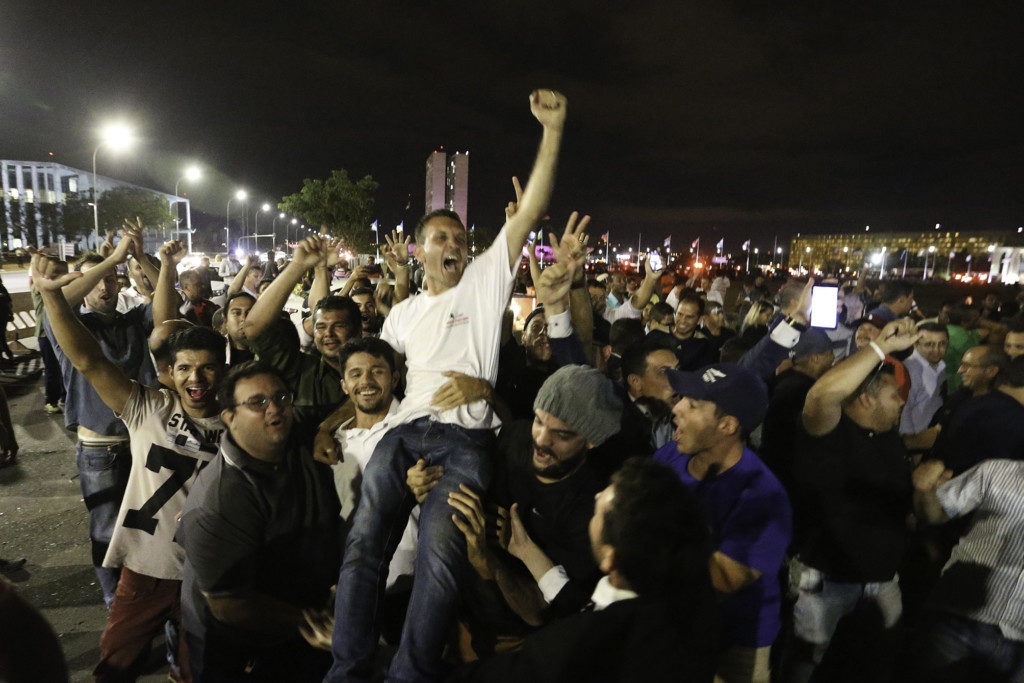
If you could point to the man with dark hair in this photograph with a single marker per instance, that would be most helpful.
(624, 333)
(260, 535)
(712, 326)
(103, 455)
(650, 396)
(371, 318)
(897, 300)
(745, 505)
(979, 370)
(927, 373)
(174, 433)
(454, 326)
(236, 309)
(523, 367)
(662, 318)
(1013, 345)
(853, 494)
(686, 340)
(652, 617)
(314, 379)
(631, 305)
(541, 566)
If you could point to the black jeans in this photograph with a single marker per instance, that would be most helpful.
(53, 388)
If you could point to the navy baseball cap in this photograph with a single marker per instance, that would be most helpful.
(812, 341)
(735, 390)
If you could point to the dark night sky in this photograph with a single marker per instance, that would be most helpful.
(741, 119)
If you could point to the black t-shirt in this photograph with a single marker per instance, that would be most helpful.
(250, 524)
(518, 381)
(693, 353)
(782, 423)
(854, 496)
(990, 426)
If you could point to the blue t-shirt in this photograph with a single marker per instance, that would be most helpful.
(752, 523)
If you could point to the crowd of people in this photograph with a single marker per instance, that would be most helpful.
(653, 481)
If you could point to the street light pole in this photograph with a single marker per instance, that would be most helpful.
(240, 196)
(95, 203)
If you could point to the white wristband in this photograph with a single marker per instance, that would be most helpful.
(877, 349)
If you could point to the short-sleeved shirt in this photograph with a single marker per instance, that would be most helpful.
(853, 496)
(751, 523)
(457, 330)
(986, 427)
(315, 383)
(124, 338)
(253, 525)
(168, 450)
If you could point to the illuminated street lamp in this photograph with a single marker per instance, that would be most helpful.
(192, 174)
(265, 208)
(118, 137)
(240, 195)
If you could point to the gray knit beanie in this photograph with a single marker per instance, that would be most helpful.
(584, 399)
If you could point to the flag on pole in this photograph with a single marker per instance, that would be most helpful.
(400, 227)
(373, 226)
(695, 243)
(746, 245)
(720, 245)
(668, 242)
(605, 237)
(472, 228)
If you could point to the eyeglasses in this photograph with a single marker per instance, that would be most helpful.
(259, 403)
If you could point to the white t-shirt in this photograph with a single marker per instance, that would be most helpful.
(168, 450)
(458, 330)
(356, 446)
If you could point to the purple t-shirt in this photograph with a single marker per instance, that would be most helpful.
(752, 523)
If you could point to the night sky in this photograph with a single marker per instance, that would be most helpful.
(743, 119)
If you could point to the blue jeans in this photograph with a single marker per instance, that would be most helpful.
(955, 648)
(103, 475)
(820, 604)
(441, 561)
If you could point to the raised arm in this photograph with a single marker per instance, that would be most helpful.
(396, 255)
(549, 108)
(165, 298)
(308, 253)
(150, 266)
(76, 289)
(824, 403)
(78, 344)
(252, 261)
(643, 294)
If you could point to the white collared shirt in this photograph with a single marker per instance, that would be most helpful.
(925, 397)
(605, 594)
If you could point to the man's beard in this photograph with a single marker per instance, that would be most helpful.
(559, 469)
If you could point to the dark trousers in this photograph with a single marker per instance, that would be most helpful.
(954, 648)
(53, 390)
(441, 561)
(216, 660)
(142, 604)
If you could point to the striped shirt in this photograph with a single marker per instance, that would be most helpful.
(984, 578)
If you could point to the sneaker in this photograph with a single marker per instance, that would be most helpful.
(53, 408)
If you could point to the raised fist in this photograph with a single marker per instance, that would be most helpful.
(548, 106)
(172, 252)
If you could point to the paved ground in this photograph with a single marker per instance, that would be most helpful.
(43, 519)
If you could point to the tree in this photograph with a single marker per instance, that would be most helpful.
(75, 217)
(120, 203)
(342, 206)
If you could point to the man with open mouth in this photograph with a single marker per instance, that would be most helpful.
(174, 434)
(455, 327)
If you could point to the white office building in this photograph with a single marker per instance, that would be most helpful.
(36, 183)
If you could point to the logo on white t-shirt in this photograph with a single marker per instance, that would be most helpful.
(456, 320)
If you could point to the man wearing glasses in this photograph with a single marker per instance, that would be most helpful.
(260, 533)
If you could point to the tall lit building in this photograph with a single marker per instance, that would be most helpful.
(447, 184)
